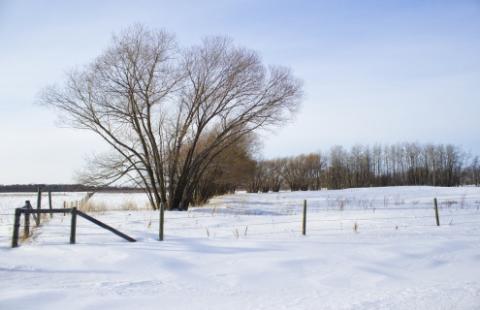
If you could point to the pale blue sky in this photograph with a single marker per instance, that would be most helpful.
(374, 71)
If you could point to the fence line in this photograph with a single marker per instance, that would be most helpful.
(376, 223)
(227, 230)
(299, 220)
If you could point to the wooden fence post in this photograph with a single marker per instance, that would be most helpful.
(16, 227)
(304, 220)
(161, 222)
(28, 206)
(26, 228)
(39, 205)
(73, 226)
(437, 217)
(50, 202)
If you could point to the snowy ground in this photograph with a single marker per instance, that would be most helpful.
(365, 249)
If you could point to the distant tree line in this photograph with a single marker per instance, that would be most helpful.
(28, 188)
(360, 166)
(364, 166)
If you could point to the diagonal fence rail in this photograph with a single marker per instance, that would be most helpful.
(105, 226)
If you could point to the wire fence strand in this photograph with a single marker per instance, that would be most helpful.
(231, 221)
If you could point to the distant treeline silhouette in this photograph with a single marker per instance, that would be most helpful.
(364, 166)
(19, 188)
(359, 166)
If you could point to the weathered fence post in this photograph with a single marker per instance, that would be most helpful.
(437, 217)
(304, 219)
(50, 202)
(39, 205)
(26, 228)
(16, 227)
(161, 222)
(73, 225)
(28, 206)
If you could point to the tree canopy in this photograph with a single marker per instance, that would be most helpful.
(170, 112)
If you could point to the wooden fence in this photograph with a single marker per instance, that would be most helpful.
(28, 210)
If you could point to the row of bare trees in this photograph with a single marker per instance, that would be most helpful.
(472, 172)
(363, 166)
(303, 172)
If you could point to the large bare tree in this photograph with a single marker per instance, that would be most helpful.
(168, 112)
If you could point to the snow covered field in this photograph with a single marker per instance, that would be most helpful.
(370, 248)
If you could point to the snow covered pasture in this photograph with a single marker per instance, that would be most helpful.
(369, 248)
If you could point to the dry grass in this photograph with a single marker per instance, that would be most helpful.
(399, 201)
(341, 203)
(355, 227)
(236, 233)
(90, 206)
(129, 206)
(24, 237)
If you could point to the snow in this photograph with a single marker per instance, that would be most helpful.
(246, 251)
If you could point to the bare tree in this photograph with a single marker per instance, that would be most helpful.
(474, 171)
(169, 112)
(274, 177)
(258, 178)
